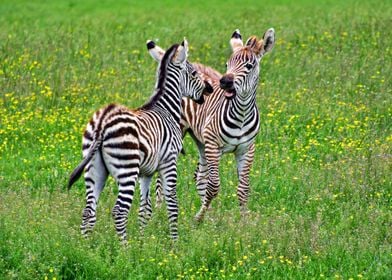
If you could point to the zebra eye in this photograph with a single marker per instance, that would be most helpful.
(248, 66)
(194, 73)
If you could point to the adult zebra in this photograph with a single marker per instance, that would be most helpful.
(132, 144)
(228, 121)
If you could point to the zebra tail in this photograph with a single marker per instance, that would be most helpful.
(75, 175)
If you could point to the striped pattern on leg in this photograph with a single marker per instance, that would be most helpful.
(128, 143)
(244, 163)
(168, 173)
(145, 210)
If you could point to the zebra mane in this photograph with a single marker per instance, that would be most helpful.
(162, 73)
(207, 71)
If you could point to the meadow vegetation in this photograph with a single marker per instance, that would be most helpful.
(320, 204)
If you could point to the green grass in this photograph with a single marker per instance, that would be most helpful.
(321, 203)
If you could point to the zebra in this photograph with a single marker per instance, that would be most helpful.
(208, 74)
(228, 121)
(135, 144)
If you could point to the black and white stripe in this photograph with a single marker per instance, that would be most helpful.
(134, 144)
(231, 120)
(228, 121)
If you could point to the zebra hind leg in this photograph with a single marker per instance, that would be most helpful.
(95, 177)
(195, 175)
(158, 193)
(213, 155)
(126, 181)
(201, 172)
(145, 210)
(169, 182)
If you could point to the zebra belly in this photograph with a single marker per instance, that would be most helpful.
(151, 163)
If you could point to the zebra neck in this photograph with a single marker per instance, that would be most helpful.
(167, 96)
(169, 100)
(241, 109)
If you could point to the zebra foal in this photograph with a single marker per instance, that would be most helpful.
(228, 121)
(134, 144)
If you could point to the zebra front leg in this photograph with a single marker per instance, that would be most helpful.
(126, 182)
(244, 163)
(145, 210)
(95, 177)
(213, 154)
(168, 173)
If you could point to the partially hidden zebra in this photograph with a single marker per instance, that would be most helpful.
(208, 74)
(228, 121)
(134, 144)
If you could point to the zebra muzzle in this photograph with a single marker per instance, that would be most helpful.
(227, 83)
(230, 94)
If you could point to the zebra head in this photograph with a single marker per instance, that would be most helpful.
(191, 83)
(242, 73)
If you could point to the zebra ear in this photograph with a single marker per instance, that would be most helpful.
(236, 40)
(185, 45)
(268, 42)
(181, 53)
(155, 51)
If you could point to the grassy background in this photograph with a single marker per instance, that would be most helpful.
(321, 182)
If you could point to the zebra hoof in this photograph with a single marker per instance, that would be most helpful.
(124, 242)
(200, 215)
(244, 212)
(199, 218)
(85, 230)
(174, 237)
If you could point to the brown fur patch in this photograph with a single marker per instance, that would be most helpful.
(254, 44)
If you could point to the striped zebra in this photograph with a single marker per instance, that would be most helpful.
(134, 144)
(228, 121)
(208, 74)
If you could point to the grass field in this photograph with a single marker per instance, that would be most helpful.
(321, 204)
